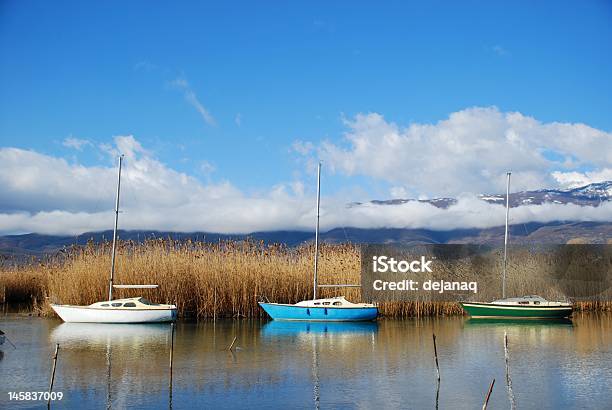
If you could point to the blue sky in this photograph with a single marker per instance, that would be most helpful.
(268, 75)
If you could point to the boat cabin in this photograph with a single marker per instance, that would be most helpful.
(335, 302)
(129, 303)
(531, 300)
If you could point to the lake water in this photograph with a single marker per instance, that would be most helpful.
(388, 364)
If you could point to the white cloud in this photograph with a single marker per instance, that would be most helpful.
(399, 192)
(76, 143)
(191, 97)
(155, 197)
(41, 193)
(34, 182)
(575, 179)
(298, 188)
(468, 152)
(468, 212)
(302, 147)
(206, 168)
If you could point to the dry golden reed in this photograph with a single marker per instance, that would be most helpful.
(205, 280)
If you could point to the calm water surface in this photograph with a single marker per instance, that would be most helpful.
(388, 364)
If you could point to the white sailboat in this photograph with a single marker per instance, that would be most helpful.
(129, 310)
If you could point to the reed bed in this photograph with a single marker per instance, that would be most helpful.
(204, 280)
(23, 286)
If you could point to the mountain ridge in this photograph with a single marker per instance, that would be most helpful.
(588, 195)
(530, 233)
(33, 244)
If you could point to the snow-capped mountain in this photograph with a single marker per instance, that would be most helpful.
(588, 195)
(558, 232)
(596, 190)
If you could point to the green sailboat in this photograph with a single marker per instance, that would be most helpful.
(528, 307)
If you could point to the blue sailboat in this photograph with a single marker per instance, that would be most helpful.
(336, 309)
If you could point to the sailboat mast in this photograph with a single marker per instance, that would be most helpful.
(316, 258)
(506, 234)
(112, 275)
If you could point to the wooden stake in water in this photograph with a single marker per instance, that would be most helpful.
(53, 373)
(171, 358)
(232, 345)
(436, 356)
(484, 406)
(437, 394)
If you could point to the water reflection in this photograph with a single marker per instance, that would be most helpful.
(318, 337)
(121, 360)
(316, 388)
(88, 335)
(286, 328)
(501, 322)
(387, 364)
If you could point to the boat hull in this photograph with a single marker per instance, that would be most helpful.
(85, 314)
(510, 311)
(278, 311)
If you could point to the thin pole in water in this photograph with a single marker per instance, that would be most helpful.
(112, 276)
(437, 394)
(436, 356)
(486, 403)
(316, 258)
(232, 345)
(171, 358)
(53, 373)
(506, 234)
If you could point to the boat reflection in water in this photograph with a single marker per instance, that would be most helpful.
(75, 335)
(504, 322)
(109, 350)
(388, 364)
(349, 329)
(320, 338)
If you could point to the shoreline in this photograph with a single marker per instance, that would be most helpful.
(225, 279)
(410, 310)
